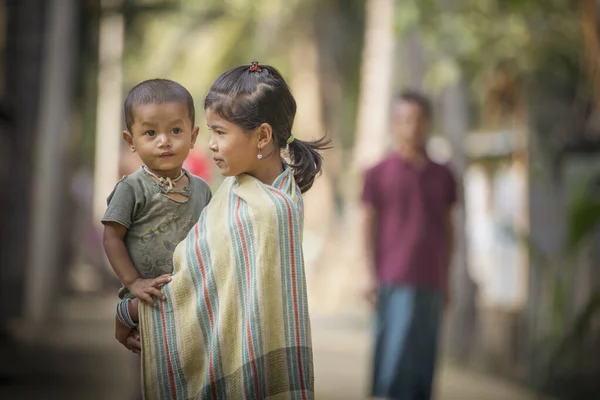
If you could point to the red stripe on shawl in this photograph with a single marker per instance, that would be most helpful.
(211, 367)
(169, 365)
(295, 293)
(284, 181)
(247, 263)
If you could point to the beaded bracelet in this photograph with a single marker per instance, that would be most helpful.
(123, 313)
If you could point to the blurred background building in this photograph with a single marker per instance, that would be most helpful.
(516, 87)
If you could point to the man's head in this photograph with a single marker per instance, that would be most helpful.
(159, 115)
(411, 117)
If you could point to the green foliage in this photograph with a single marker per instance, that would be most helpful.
(566, 331)
(584, 218)
(192, 42)
(475, 37)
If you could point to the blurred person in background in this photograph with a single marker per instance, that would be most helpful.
(407, 201)
(198, 164)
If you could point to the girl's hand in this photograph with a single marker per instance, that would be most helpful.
(133, 342)
(128, 337)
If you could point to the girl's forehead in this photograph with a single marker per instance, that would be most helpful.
(214, 120)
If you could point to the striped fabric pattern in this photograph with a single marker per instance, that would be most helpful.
(235, 324)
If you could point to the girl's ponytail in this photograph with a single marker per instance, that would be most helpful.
(306, 161)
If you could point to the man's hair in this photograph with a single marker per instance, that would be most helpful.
(157, 91)
(412, 96)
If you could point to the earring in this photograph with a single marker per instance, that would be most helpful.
(259, 156)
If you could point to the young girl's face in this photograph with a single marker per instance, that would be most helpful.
(234, 150)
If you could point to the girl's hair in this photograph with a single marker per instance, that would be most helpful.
(251, 95)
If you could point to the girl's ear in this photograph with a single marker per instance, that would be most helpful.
(264, 135)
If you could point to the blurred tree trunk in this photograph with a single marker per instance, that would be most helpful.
(22, 74)
(375, 88)
(306, 82)
(461, 318)
(344, 256)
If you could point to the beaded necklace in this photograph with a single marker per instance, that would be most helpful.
(166, 184)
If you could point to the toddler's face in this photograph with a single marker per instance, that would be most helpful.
(162, 135)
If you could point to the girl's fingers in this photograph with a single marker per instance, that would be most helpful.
(157, 293)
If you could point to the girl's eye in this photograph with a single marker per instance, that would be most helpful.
(220, 133)
(176, 131)
(150, 133)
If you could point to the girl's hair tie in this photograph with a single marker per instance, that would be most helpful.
(254, 66)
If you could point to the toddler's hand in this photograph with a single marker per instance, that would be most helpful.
(144, 289)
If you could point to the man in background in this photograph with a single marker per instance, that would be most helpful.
(407, 201)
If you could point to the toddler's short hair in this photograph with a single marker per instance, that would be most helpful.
(157, 91)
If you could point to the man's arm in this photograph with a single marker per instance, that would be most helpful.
(369, 227)
(370, 236)
(451, 236)
(452, 199)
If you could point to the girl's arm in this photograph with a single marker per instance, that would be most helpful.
(133, 310)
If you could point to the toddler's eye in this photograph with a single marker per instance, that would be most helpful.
(176, 131)
(150, 133)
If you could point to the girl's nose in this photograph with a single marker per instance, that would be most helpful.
(212, 144)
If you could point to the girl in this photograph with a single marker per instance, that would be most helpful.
(235, 322)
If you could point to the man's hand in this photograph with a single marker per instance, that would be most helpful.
(370, 292)
(144, 289)
(447, 300)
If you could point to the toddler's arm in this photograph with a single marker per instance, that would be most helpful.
(119, 259)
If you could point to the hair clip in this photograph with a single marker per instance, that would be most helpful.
(254, 66)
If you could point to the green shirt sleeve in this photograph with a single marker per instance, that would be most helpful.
(121, 205)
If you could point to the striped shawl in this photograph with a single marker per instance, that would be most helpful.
(235, 324)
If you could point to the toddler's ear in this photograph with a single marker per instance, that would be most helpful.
(194, 137)
(129, 139)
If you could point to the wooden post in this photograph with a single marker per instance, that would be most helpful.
(108, 118)
(49, 157)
